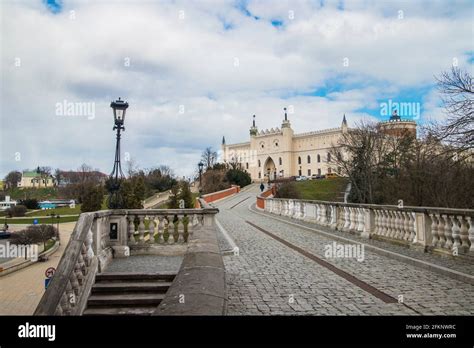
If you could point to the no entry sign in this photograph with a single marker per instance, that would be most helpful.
(50, 272)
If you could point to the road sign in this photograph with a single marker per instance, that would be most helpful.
(50, 272)
(35, 222)
(46, 282)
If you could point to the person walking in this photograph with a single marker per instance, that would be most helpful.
(262, 187)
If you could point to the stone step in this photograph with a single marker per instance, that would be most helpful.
(116, 300)
(135, 277)
(130, 287)
(144, 310)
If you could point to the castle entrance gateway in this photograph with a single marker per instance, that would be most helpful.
(270, 169)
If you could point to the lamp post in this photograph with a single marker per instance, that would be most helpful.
(115, 200)
(200, 165)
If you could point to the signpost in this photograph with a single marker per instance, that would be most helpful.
(49, 273)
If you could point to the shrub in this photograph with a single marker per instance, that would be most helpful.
(238, 177)
(91, 198)
(17, 210)
(287, 190)
(30, 203)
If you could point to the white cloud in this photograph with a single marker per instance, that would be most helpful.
(191, 62)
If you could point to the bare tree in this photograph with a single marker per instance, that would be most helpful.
(209, 157)
(457, 89)
(132, 167)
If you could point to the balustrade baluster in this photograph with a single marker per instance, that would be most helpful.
(434, 230)
(448, 232)
(180, 225)
(471, 232)
(456, 232)
(131, 229)
(160, 229)
(151, 229)
(170, 228)
(141, 230)
(463, 234)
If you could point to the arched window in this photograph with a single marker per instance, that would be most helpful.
(319, 158)
(259, 164)
(280, 161)
(309, 159)
(329, 157)
(299, 160)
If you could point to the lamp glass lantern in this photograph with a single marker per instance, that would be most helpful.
(200, 165)
(120, 107)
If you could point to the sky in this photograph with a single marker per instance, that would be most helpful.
(194, 71)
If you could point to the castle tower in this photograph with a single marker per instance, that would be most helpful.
(398, 127)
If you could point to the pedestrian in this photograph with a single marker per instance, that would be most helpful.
(262, 187)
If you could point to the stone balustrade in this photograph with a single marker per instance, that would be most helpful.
(449, 230)
(100, 236)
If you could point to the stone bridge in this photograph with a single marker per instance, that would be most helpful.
(247, 256)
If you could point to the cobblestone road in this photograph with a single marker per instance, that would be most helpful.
(268, 277)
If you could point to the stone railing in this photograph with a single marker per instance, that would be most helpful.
(215, 196)
(100, 236)
(450, 230)
(199, 287)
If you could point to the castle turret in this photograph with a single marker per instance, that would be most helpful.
(396, 126)
(253, 129)
(286, 122)
(344, 124)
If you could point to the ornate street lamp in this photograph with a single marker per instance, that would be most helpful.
(200, 165)
(115, 200)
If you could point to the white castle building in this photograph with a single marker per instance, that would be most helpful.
(280, 153)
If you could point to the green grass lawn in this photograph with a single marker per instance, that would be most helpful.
(323, 189)
(45, 220)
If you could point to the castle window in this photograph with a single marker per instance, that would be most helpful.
(309, 172)
(319, 171)
(280, 161)
(259, 175)
(309, 159)
(247, 165)
(329, 170)
(259, 164)
(319, 158)
(299, 160)
(329, 157)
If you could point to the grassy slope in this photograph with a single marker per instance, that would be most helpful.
(38, 193)
(324, 189)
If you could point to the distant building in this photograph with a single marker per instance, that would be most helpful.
(7, 203)
(279, 153)
(35, 179)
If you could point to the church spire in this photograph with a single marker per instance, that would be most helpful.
(344, 121)
(286, 116)
(223, 140)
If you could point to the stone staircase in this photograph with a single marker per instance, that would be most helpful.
(127, 293)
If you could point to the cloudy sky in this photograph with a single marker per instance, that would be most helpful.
(193, 71)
